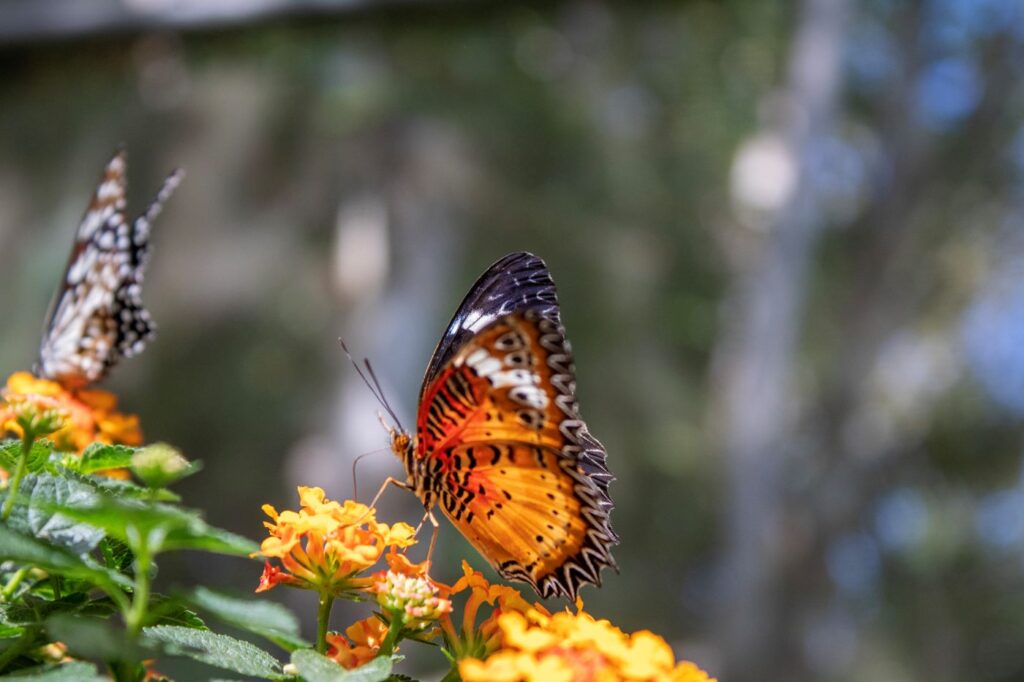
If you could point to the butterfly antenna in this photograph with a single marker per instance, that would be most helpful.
(380, 392)
(374, 387)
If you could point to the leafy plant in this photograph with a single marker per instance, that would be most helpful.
(82, 533)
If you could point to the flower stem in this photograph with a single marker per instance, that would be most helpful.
(136, 616)
(19, 473)
(387, 647)
(323, 618)
(13, 583)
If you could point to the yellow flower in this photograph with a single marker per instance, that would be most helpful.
(366, 636)
(326, 545)
(477, 641)
(575, 647)
(89, 414)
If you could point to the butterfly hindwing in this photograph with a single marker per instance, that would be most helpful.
(508, 456)
(97, 316)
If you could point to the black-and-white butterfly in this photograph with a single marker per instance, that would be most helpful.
(97, 316)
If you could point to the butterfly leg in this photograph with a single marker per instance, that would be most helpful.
(390, 480)
(433, 536)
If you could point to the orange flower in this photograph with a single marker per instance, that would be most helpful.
(568, 647)
(90, 414)
(326, 545)
(473, 641)
(366, 636)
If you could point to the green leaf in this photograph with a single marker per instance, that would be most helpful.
(264, 618)
(23, 549)
(314, 667)
(8, 631)
(31, 610)
(10, 453)
(116, 555)
(219, 651)
(100, 456)
(166, 610)
(119, 488)
(161, 526)
(76, 671)
(93, 638)
(42, 499)
(10, 449)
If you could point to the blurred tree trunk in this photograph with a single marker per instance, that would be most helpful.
(755, 400)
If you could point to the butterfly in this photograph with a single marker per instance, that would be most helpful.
(500, 443)
(97, 316)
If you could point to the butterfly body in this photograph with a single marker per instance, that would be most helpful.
(97, 316)
(500, 444)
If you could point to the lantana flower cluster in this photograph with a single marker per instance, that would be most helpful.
(88, 415)
(326, 545)
(575, 647)
(330, 546)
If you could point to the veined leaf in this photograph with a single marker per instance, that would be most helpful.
(120, 488)
(100, 456)
(314, 667)
(22, 549)
(162, 526)
(264, 618)
(42, 499)
(10, 453)
(167, 610)
(219, 651)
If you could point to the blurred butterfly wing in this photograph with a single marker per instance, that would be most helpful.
(97, 316)
(518, 282)
(508, 456)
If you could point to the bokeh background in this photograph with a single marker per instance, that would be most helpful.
(788, 239)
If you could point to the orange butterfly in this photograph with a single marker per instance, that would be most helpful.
(499, 439)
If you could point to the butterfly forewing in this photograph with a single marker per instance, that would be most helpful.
(516, 283)
(97, 316)
(504, 448)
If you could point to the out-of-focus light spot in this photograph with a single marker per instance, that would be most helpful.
(871, 57)
(965, 18)
(901, 520)
(913, 367)
(361, 250)
(838, 172)
(764, 174)
(947, 92)
(853, 562)
(999, 518)
(993, 332)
